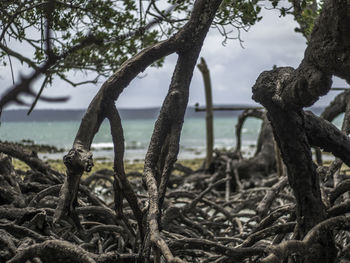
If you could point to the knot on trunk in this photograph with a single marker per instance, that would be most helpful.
(78, 160)
(269, 86)
(291, 89)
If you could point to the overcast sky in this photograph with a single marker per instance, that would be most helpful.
(233, 69)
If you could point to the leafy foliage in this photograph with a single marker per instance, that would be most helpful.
(305, 13)
(71, 22)
(307, 17)
(116, 30)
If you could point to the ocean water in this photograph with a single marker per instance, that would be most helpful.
(137, 135)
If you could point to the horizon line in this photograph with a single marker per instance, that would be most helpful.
(147, 107)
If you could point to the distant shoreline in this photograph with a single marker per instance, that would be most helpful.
(38, 115)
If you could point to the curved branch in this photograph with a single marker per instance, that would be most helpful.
(11, 95)
(30, 159)
(241, 119)
(264, 159)
(236, 253)
(24, 86)
(337, 106)
(187, 42)
(120, 177)
(268, 231)
(339, 190)
(164, 145)
(325, 135)
(283, 250)
(56, 250)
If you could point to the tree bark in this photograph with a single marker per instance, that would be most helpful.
(337, 106)
(263, 162)
(202, 66)
(285, 91)
(241, 119)
(164, 144)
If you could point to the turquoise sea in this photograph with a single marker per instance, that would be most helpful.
(137, 136)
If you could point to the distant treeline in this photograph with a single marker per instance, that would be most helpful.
(130, 114)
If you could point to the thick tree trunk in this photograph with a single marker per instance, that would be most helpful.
(289, 130)
(285, 91)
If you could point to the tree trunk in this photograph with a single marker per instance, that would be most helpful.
(164, 145)
(285, 91)
(209, 111)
